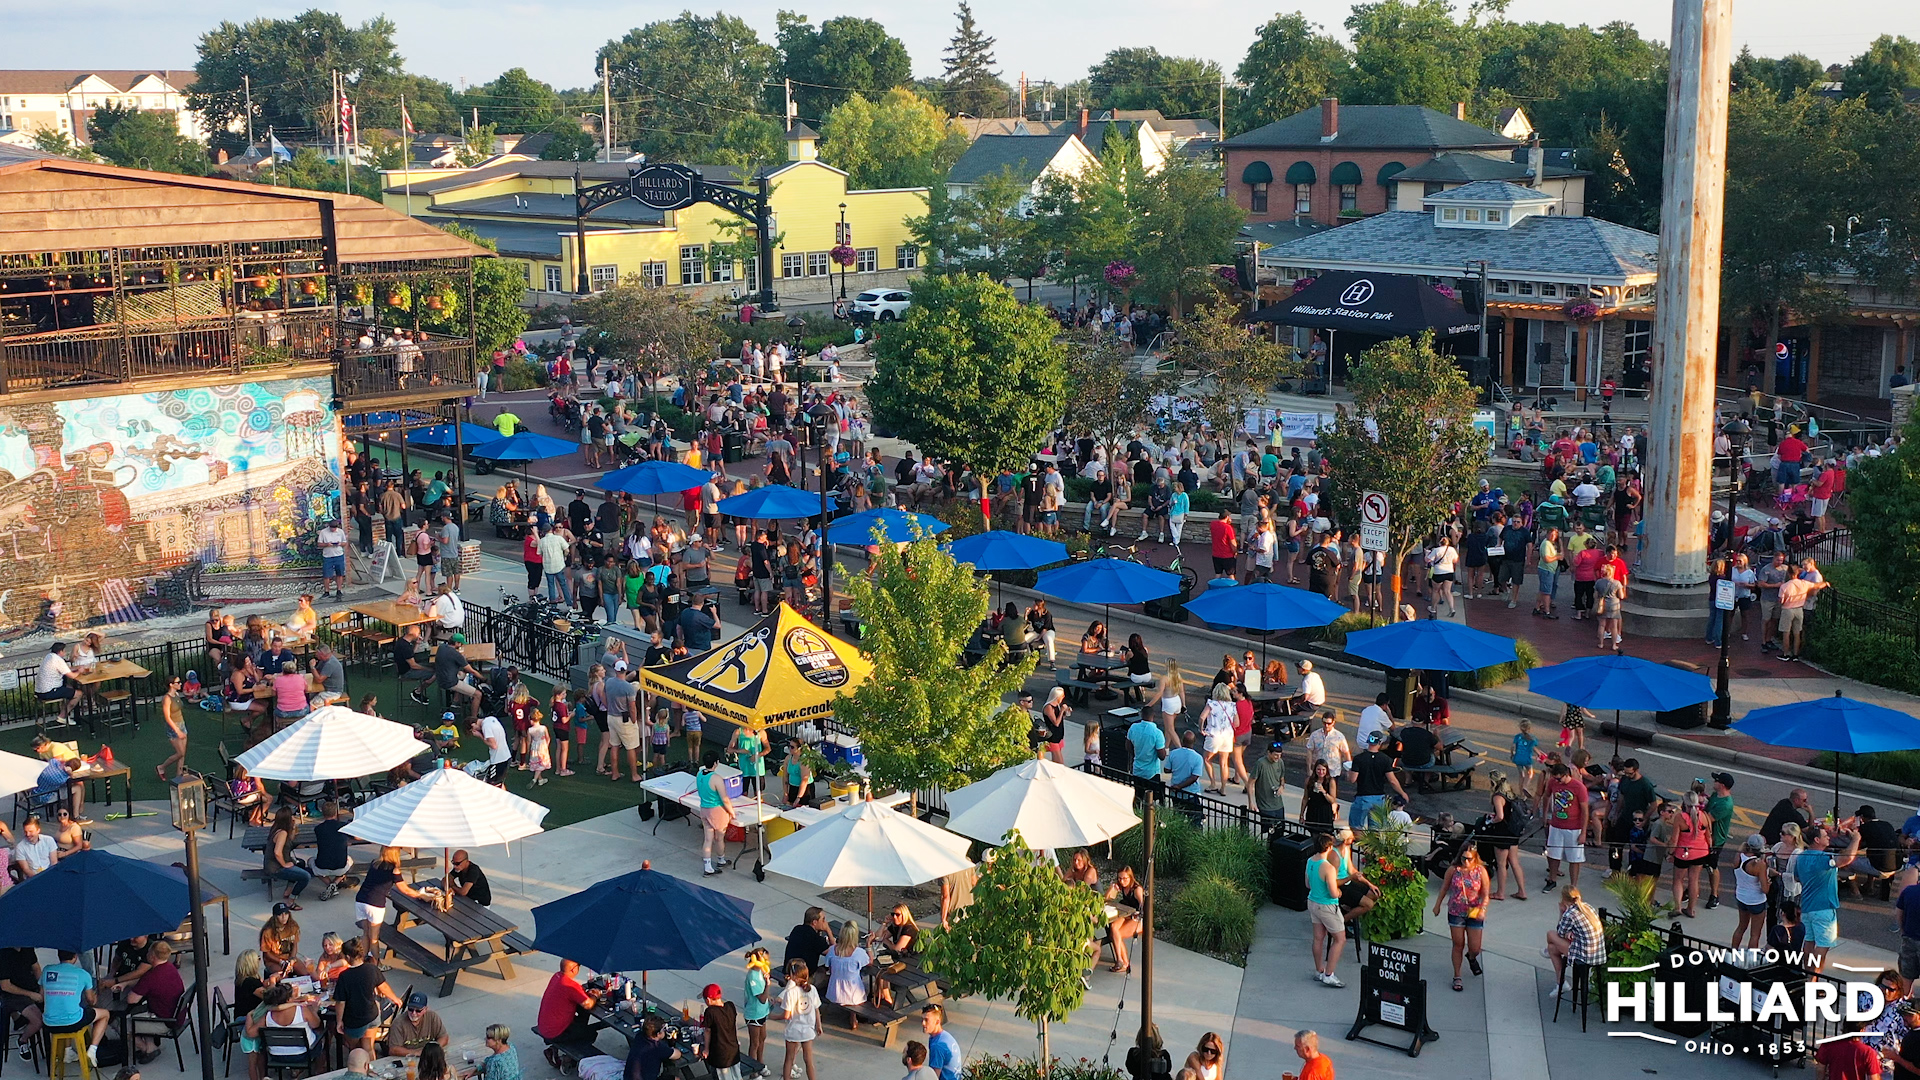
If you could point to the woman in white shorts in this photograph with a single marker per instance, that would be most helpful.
(1173, 689)
(1218, 727)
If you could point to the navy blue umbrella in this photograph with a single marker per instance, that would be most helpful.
(1839, 724)
(644, 921)
(896, 526)
(92, 898)
(1265, 606)
(999, 549)
(1613, 681)
(1431, 645)
(472, 435)
(773, 502)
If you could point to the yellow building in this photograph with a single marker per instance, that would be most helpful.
(527, 208)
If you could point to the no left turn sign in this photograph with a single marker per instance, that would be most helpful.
(1373, 508)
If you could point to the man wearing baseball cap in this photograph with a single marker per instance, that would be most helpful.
(414, 1026)
(721, 1021)
(1720, 811)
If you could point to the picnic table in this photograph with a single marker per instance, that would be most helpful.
(480, 651)
(109, 671)
(687, 1037)
(1100, 668)
(472, 935)
(391, 612)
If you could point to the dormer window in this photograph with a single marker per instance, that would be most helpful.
(1503, 287)
(1493, 217)
(1525, 288)
(1548, 288)
(1472, 214)
(1449, 213)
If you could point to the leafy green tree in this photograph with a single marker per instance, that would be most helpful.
(517, 102)
(1143, 78)
(1883, 495)
(291, 62)
(982, 230)
(430, 103)
(1410, 52)
(845, 56)
(1783, 76)
(1181, 229)
(680, 82)
(50, 141)
(1291, 64)
(1425, 454)
(898, 140)
(971, 84)
(1223, 368)
(311, 170)
(748, 143)
(569, 143)
(1112, 395)
(1882, 74)
(1531, 63)
(930, 720)
(1085, 222)
(633, 318)
(970, 374)
(128, 137)
(1023, 939)
(498, 287)
(477, 148)
(1619, 125)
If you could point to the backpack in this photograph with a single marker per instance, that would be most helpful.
(1520, 818)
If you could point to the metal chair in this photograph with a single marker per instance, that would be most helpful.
(227, 1029)
(170, 1028)
(287, 1038)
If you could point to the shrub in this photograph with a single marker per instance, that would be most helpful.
(1172, 848)
(1232, 855)
(1856, 652)
(1900, 767)
(1488, 677)
(964, 516)
(1008, 1067)
(1337, 630)
(523, 375)
(1401, 910)
(1211, 915)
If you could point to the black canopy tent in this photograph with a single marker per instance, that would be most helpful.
(1371, 305)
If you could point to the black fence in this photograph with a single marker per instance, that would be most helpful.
(1204, 810)
(535, 648)
(1834, 607)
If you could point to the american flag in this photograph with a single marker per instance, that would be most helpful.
(406, 120)
(346, 109)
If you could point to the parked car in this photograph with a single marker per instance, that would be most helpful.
(881, 305)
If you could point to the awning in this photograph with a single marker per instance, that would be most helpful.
(1390, 170)
(1300, 172)
(1346, 173)
(1257, 172)
(782, 670)
(1380, 305)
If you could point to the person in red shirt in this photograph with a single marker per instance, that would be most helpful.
(1822, 491)
(565, 1008)
(1791, 452)
(531, 558)
(1619, 565)
(1226, 545)
(1847, 1059)
(1564, 806)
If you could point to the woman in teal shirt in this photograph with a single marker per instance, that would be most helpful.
(750, 753)
(798, 776)
(715, 814)
(1177, 513)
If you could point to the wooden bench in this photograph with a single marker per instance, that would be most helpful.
(428, 962)
(887, 1021)
(259, 873)
(1453, 776)
(567, 1056)
(1079, 691)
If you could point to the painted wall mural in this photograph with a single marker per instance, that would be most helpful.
(100, 497)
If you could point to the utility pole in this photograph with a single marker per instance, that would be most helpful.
(606, 114)
(1223, 103)
(789, 112)
(247, 81)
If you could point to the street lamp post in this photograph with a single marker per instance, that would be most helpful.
(822, 414)
(1722, 713)
(188, 795)
(846, 238)
(1148, 1059)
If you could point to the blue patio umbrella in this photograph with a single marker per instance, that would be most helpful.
(1265, 606)
(92, 898)
(999, 549)
(525, 446)
(1839, 724)
(1613, 681)
(644, 921)
(472, 435)
(896, 526)
(1108, 581)
(1430, 645)
(773, 502)
(654, 478)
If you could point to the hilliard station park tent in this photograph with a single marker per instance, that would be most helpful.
(1355, 311)
(782, 670)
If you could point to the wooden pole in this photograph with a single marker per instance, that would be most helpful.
(1680, 461)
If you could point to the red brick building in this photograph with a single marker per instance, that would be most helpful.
(1333, 162)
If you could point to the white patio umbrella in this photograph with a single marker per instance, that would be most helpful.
(446, 809)
(867, 845)
(332, 743)
(19, 773)
(1052, 805)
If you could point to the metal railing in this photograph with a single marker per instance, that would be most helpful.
(95, 355)
(1886, 620)
(535, 648)
(1205, 810)
(430, 362)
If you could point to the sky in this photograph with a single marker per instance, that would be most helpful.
(555, 40)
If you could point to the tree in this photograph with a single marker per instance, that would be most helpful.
(1023, 939)
(1537, 63)
(51, 141)
(1085, 222)
(635, 319)
(516, 101)
(1182, 227)
(899, 140)
(498, 287)
(135, 139)
(1425, 454)
(1783, 76)
(1291, 65)
(1884, 496)
(931, 721)
(1112, 397)
(970, 374)
(477, 148)
(844, 57)
(569, 143)
(311, 170)
(1410, 52)
(748, 143)
(291, 62)
(973, 87)
(982, 230)
(430, 103)
(679, 82)
(1232, 366)
(1142, 78)
(1882, 74)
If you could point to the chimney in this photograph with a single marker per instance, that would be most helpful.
(1536, 163)
(1329, 118)
(1459, 110)
(1083, 125)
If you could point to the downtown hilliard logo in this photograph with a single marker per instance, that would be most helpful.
(1726, 1002)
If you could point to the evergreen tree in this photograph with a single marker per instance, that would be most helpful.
(973, 86)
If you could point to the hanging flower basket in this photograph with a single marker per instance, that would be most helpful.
(1581, 310)
(1121, 275)
(1447, 291)
(362, 294)
(1303, 284)
(309, 288)
(1228, 276)
(844, 255)
(400, 297)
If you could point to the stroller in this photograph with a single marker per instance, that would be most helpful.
(1450, 840)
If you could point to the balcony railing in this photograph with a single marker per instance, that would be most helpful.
(411, 368)
(99, 355)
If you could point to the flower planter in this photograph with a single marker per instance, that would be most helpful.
(1402, 908)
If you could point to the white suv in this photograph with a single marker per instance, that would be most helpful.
(881, 305)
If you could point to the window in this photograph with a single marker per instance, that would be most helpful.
(906, 256)
(693, 264)
(1503, 286)
(1638, 345)
(1574, 292)
(1493, 217)
(1548, 288)
(792, 265)
(1303, 198)
(818, 265)
(654, 274)
(723, 271)
(1433, 187)
(1393, 195)
(866, 260)
(1449, 213)
(1349, 197)
(1259, 203)
(1525, 288)
(600, 278)
(753, 272)
(553, 279)
(1471, 214)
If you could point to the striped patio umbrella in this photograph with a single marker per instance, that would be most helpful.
(332, 743)
(446, 809)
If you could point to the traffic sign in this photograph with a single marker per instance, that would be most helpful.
(1373, 508)
(1373, 537)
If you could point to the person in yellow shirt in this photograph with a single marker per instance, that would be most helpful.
(506, 424)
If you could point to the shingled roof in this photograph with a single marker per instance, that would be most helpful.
(1025, 156)
(1373, 127)
(1409, 241)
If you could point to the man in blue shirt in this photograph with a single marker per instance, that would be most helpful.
(943, 1050)
(1817, 870)
(1149, 749)
(67, 1003)
(649, 1052)
(1186, 766)
(55, 776)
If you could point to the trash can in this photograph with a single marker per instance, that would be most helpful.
(1400, 684)
(1696, 983)
(733, 447)
(1289, 848)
